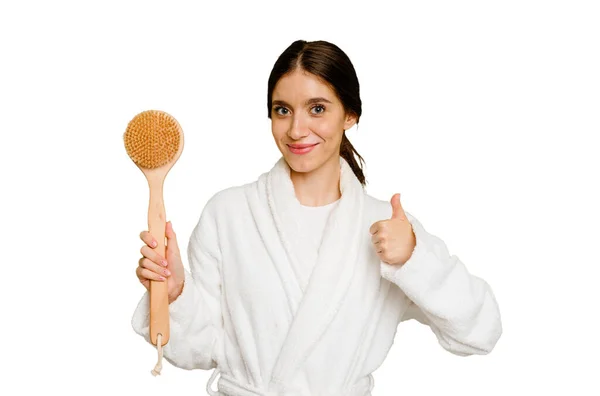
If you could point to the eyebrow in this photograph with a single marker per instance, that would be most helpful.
(308, 102)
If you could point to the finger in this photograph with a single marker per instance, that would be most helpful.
(171, 236)
(153, 255)
(145, 274)
(139, 276)
(375, 227)
(397, 210)
(158, 269)
(138, 273)
(377, 238)
(380, 247)
(147, 238)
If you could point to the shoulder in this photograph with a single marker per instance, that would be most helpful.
(232, 201)
(218, 208)
(225, 199)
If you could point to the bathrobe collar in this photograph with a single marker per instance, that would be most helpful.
(314, 308)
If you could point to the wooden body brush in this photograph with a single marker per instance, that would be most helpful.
(154, 142)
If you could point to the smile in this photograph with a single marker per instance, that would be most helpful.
(302, 149)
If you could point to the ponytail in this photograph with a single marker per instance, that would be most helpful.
(347, 151)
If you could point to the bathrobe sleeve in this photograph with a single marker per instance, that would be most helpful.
(460, 308)
(195, 316)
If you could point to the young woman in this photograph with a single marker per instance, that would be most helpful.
(298, 280)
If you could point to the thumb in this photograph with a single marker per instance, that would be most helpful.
(397, 211)
(171, 237)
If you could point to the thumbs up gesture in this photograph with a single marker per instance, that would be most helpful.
(393, 239)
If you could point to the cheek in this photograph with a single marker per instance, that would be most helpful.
(278, 129)
(327, 129)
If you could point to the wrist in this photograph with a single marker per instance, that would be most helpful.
(177, 292)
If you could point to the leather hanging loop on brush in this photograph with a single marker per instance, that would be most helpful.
(154, 142)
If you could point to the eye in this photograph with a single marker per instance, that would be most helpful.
(318, 106)
(279, 107)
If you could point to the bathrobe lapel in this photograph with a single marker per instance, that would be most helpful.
(259, 204)
(315, 307)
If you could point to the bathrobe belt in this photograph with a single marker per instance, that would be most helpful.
(229, 386)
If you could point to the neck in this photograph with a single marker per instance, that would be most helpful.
(319, 187)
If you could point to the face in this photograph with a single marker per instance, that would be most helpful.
(307, 121)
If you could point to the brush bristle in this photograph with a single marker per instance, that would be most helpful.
(152, 138)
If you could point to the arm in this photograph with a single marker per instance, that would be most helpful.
(460, 308)
(195, 316)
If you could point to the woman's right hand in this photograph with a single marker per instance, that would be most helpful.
(152, 266)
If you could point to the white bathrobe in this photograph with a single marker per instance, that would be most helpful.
(247, 311)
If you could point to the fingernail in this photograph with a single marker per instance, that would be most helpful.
(154, 244)
(167, 272)
(164, 262)
(162, 278)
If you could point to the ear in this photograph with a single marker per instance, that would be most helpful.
(350, 121)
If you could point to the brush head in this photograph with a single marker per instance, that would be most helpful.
(152, 139)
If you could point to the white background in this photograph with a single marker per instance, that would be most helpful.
(483, 115)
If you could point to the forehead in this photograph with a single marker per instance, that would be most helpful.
(300, 85)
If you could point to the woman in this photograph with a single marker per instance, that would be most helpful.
(299, 280)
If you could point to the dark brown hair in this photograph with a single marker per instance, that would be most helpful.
(329, 63)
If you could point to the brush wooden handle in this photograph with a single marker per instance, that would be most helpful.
(159, 297)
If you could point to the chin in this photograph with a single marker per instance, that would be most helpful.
(300, 165)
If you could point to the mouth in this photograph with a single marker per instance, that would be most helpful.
(301, 148)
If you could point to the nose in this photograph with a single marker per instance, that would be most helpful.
(298, 129)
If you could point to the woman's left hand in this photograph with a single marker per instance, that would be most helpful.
(393, 239)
